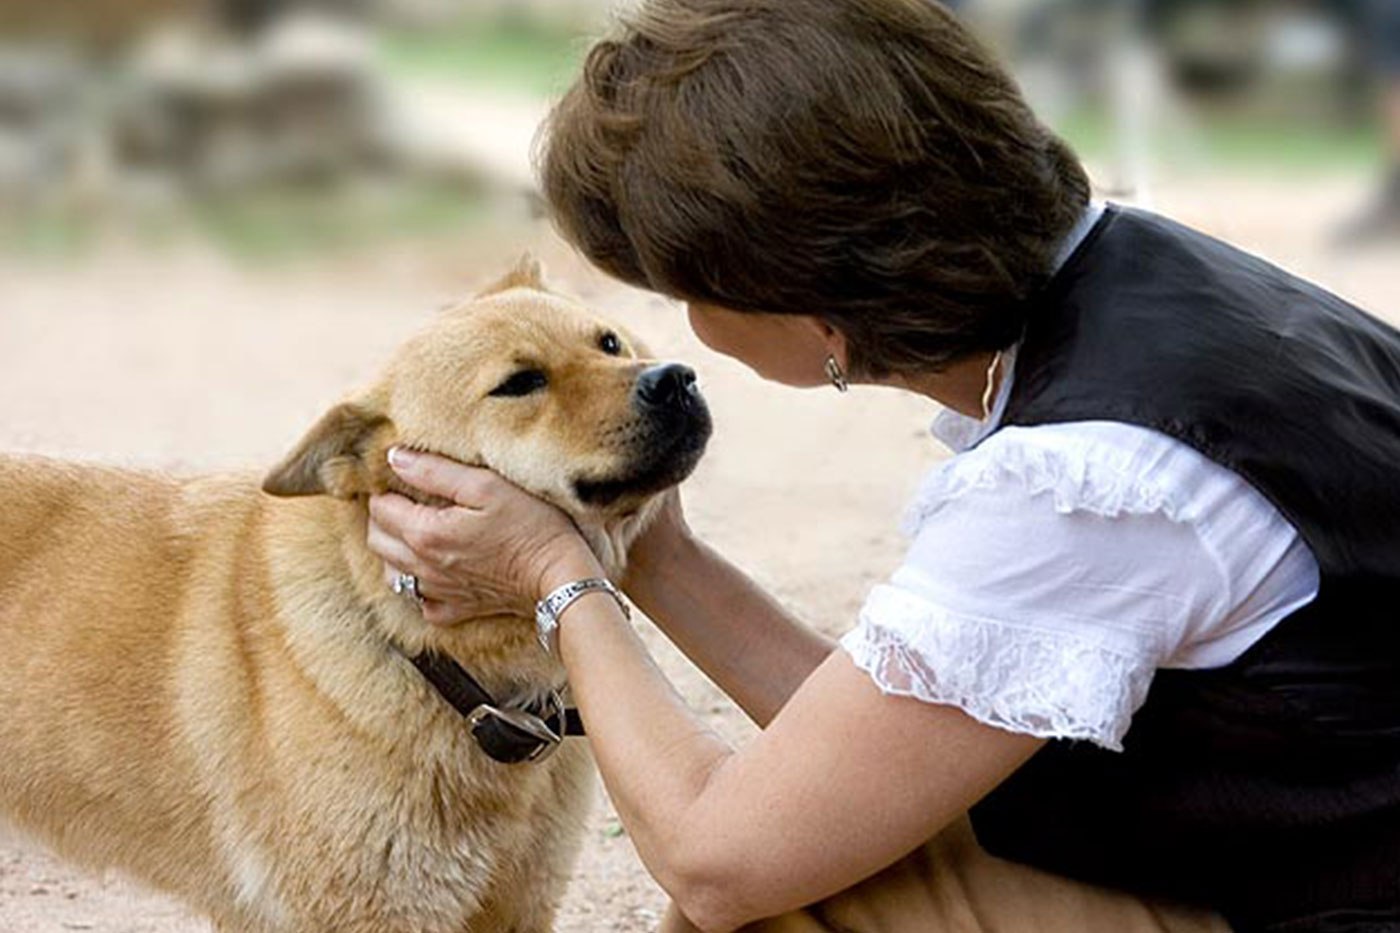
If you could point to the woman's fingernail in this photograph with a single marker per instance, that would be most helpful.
(399, 457)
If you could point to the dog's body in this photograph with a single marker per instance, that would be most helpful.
(193, 692)
(208, 687)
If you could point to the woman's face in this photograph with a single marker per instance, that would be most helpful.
(787, 348)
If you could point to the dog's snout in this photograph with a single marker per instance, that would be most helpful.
(662, 442)
(669, 385)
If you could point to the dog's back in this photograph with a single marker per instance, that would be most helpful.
(90, 570)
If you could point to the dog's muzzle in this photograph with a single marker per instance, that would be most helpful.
(674, 427)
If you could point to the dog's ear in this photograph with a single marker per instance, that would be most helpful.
(341, 456)
(527, 272)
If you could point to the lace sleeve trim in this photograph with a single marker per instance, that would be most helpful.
(1036, 682)
(1077, 482)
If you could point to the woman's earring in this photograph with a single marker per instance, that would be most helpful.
(991, 386)
(834, 373)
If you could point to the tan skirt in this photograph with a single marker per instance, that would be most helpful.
(952, 886)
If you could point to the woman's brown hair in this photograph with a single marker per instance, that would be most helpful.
(863, 161)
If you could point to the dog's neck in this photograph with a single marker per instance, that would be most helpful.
(361, 625)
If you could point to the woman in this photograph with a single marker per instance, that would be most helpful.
(1142, 631)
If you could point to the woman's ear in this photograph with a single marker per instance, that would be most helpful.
(827, 335)
(342, 456)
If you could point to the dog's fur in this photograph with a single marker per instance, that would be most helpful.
(204, 685)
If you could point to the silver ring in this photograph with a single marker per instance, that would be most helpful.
(406, 584)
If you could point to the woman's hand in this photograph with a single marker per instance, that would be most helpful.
(664, 538)
(497, 550)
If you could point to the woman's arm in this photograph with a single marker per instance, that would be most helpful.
(843, 781)
(748, 644)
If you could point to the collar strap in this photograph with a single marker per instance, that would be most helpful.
(506, 734)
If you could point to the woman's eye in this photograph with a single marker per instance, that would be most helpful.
(522, 383)
(610, 344)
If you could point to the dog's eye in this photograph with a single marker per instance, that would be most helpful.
(522, 383)
(610, 344)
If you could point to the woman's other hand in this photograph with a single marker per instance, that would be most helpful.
(660, 542)
(496, 550)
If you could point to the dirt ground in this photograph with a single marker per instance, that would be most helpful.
(182, 360)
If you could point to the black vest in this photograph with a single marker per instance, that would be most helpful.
(1268, 789)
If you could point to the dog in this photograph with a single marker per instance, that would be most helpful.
(207, 685)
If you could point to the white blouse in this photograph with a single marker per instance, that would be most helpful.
(1054, 569)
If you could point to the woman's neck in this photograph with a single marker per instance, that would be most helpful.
(963, 386)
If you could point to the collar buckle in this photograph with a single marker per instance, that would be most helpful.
(510, 735)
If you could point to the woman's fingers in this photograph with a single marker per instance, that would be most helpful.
(486, 555)
(442, 614)
(398, 558)
(400, 517)
(443, 602)
(467, 486)
(387, 545)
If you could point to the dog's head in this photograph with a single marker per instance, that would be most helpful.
(531, 385)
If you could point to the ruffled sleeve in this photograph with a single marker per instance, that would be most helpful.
(1028, 680)
(1102, 478)
(1049, 576)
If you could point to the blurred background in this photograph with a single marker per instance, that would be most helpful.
(218, 216)
(275, 128)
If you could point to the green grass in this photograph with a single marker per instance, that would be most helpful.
(1292, 147)
(1239, 141)
(517, 56)
(48, 234)
(262, 227)
(276, 226)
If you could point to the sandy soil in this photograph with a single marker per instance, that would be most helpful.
(181, 360)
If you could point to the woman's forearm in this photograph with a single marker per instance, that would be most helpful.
(748, 644)
(655, 757)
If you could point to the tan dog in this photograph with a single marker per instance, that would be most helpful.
(208, 687)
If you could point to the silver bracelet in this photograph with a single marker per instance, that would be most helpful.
(549, 609)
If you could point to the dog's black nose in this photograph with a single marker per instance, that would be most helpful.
(669, 385)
